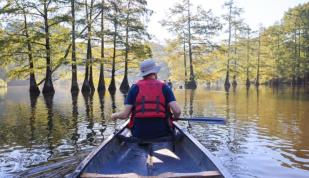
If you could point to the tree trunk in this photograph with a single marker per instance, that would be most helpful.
(276, 80)
(248, 55)
(48, 85)
(257, 81)
(74, 84)
(90, 48)
(33, 88)
(185, 57)
(101, 84)
(294, 73)
(227, 79)
(86, 86)
(124, 87)
(68, 49)
(234, 83)
(91, 76)
(112, 85)
(299, 78)
(191, 84)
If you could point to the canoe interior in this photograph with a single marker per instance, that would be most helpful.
(121, 158)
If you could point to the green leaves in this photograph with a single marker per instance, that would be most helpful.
(283, 52)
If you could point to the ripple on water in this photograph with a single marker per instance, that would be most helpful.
(20, 159)
(265, 135)
(245, 144)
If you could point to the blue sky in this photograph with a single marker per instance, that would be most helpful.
(256, 12)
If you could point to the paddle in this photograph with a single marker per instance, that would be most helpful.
(209, 120)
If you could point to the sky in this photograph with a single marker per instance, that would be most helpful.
(256, 13)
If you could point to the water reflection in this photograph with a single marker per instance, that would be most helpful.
(257, 102)
(265, 127)
(88, 99)
(227, 101)
(33, 102)
(192, 92)
(113, 105)
(188, 106)
(103, 121)
(247, 92)
(113, 96)
(75, 134)
(48, 98)
(185, 107)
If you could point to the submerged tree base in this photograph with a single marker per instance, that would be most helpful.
(34, 90)
(112, 86)
(191, 84)
(234, 83)
(74, 87)
(101, 86)
(86, 86)
(227, 86)
(48, 87)
(248, 83)
(124, 87)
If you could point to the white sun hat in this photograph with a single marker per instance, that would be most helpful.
(148, 66)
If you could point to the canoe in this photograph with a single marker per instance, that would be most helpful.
(177, 156)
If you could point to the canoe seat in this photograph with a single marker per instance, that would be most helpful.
(212, 174)
(132, 139)
(138, 140)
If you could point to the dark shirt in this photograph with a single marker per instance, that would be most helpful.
(151, 127)
(170, 85)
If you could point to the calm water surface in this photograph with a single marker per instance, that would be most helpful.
(266, 134)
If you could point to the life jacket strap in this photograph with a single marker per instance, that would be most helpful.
(143, 104)
(157, 102)
(149, 110)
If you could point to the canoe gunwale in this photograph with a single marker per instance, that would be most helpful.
(215, 161)
(93, 153)
(166, 174)
(82, 166)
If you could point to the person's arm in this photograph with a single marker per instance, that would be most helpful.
(175, 109)
(171, 100)
(128, 104)
(124, 114)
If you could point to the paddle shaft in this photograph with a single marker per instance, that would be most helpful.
(204, 119)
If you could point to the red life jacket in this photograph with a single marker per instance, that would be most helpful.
(150, 101)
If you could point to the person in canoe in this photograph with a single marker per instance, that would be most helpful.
(149, 104)
(170, 84)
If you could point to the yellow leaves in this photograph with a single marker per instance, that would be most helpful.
(3, 84)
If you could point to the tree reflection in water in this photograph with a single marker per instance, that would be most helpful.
(103, 120)
(265, 127)
(191, 106)
(185, 106)
(113, 99)
(257, 102)
(191, 109)
(75, 135)
(33, 101)
(88, 99)
(48, 98)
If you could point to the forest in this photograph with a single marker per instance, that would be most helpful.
(100, 42)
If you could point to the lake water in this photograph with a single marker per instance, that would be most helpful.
(266, 135)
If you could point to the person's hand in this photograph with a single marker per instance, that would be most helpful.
(114, 116)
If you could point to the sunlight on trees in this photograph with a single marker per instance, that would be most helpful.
(101, 40)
